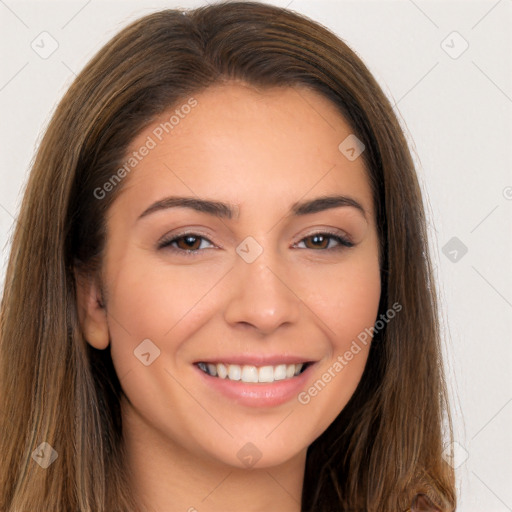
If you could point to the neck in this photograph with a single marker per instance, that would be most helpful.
(166, 477)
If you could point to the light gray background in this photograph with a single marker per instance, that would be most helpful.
(457, 115)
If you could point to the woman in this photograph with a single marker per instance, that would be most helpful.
(175, 332)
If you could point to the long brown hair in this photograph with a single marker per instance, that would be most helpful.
(386, 445)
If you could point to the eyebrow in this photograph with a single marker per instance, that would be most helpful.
(230, 211)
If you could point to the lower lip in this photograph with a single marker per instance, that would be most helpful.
(258, 394)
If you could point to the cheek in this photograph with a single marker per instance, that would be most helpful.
(150, 297)
(347, 303)
(157, 302)
(344, 296)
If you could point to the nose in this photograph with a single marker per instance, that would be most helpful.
(261, 295)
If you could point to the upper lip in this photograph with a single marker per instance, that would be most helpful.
(256, 359)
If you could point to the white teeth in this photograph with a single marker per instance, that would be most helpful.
(266, 374)
(280, 372)
(234, 372)
(222, 371)
(290, 371)
(249, 373)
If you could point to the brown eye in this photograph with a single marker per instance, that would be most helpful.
(322, 241)
(318, 241)
(190, 242)
(187, 243)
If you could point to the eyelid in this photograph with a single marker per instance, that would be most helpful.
(190, 230)
(169, 237)
(344, 240)
(335, 232)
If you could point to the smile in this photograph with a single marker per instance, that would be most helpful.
(252, 374)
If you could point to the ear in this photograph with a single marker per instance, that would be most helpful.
(91, 311)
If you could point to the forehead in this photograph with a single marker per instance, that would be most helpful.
(249, 147)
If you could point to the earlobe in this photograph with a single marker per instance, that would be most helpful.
(91, 312)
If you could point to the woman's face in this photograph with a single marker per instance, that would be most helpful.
(262, 289)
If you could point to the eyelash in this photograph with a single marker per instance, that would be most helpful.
(166, 243)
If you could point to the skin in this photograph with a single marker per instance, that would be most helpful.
(261, 150)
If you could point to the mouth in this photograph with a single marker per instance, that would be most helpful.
(253, 374)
